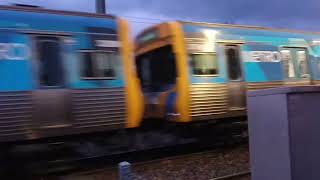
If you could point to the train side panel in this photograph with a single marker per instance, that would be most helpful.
(16, 86)
(215, 65)
(261, 65)
(73, 77)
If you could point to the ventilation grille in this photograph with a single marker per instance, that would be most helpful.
(98, 108)
(15, 114)
(263, 85)
(208, 99)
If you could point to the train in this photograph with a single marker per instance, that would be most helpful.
(65, 73)
(69, 73)
(194, 72)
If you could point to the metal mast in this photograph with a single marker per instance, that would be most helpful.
(101, 6)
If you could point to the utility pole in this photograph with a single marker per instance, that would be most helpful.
(101, 6)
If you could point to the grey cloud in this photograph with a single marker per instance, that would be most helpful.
(298, 14)
(280, 13)
(80, 5)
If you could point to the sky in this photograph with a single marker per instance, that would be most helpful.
(293, 14)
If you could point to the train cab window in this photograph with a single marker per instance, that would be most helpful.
(144, 70)
(49, 61)
(204, 64)
(157, 68)
(98, 65)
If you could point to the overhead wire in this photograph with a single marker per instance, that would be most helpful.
(142, 22)
(145, 18)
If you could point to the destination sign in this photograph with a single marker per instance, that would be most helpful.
(148, 36)
(107, 43)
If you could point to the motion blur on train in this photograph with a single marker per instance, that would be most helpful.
(65, 73)
(198, 72)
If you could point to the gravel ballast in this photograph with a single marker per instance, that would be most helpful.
(198, 166)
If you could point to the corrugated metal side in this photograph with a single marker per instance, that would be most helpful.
(98, 108)
(208, 99)
(315, 82)
(15, 114)
(263, 85)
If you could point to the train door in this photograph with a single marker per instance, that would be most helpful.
(236, 86)
(52, 101)
(295, 65)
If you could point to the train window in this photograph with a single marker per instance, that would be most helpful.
(50, 61)
(98, 65)
(233, 60)
(145, 70)
(287, 61)
(204, 64)
(295, 63)
(157, 68)
(302, 63)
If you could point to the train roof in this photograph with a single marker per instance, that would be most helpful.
(251, 27)
(235, 26)
(158, 35)
(41, 20)
(52, 11)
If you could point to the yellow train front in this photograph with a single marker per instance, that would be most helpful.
(199, 71)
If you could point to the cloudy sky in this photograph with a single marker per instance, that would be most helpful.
(296, 14)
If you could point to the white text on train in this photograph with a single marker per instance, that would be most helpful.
(14, 51)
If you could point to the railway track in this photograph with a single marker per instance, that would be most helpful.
(236, 176)
(155, 161)
(98, 160)
(182, 158)
(139, 158)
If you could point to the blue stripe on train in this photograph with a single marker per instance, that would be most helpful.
(263, 71)
(15, 76)
(170, 102)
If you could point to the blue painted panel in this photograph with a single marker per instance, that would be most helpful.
(263, 71)
(260, 47)
(15, 75)
(92, 84)
(314, 63)
(170, 102)
(199, 79)
(316, 49)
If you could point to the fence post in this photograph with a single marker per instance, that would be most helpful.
(125, 171)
